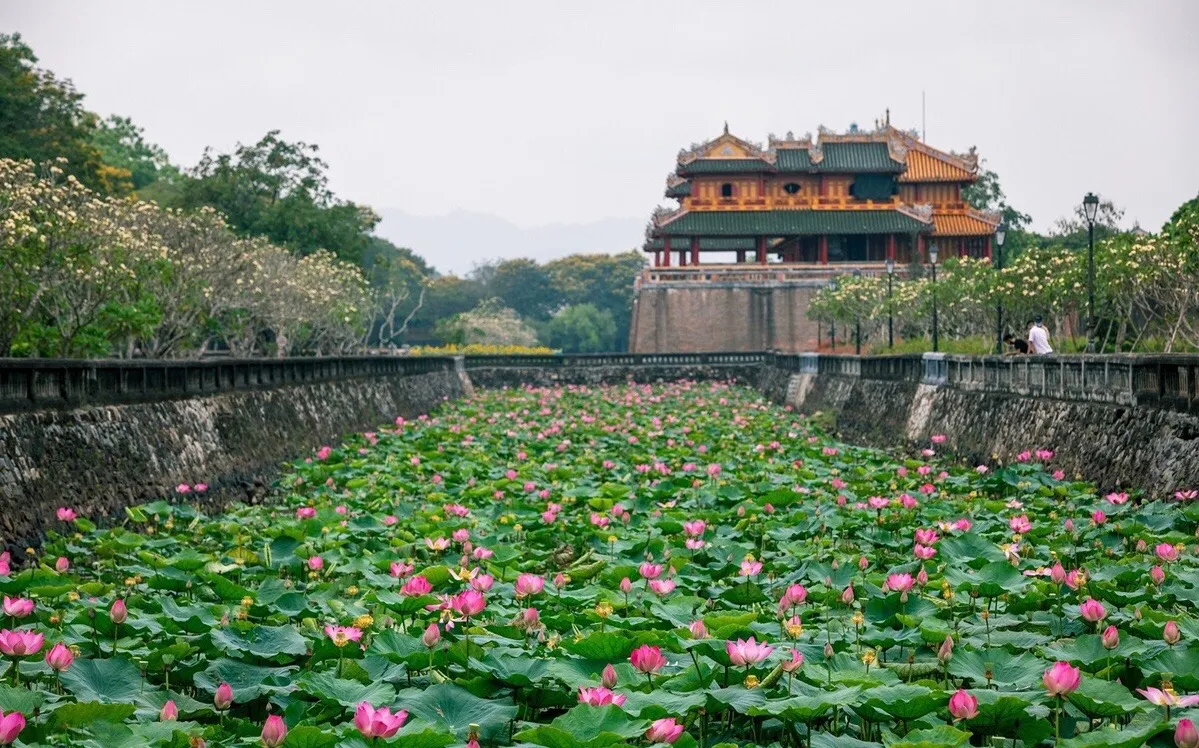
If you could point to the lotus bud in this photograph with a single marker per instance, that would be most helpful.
(223, 698)
(608, 677)
(1171, 635)
(962, 705)
(169, 713)
(1186, 735)
(1158, 575)
(431, 636)
(119, 612)
(828, 650)
(274, 731)
(945, 653)
(1110, 638)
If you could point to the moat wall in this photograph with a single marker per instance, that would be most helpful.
(1116, 446)
(102, 458)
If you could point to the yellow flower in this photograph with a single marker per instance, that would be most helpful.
(603, 609)
(364, 621)
(868, 657)
(751, 681)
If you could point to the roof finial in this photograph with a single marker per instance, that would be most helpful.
(888, 116)
(726, 127)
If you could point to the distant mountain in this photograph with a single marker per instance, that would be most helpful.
(455, 242)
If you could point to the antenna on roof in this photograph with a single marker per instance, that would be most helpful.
(923, 129)
(726, 127)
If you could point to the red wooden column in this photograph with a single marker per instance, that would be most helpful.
(823, 249)
(988, 249)
(695, 250)
(666, 251)
(740, 256)
(761, 250)
(891, 247)
(657, 257)
(920, 249)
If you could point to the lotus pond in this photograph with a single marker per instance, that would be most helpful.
(684, 564)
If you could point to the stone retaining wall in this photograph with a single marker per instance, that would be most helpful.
(101, 459)
(1118, 447)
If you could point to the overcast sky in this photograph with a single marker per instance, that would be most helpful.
(559, 112)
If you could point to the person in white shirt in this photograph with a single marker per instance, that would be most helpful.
(1038, 338)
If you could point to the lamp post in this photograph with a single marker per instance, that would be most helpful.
(857, 320)
(832, 323)
(932, 256)
(1000, 232)
(890, 318)
(1090, 207)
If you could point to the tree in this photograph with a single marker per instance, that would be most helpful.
(582, 328)
(986, 194)
(489, 323)
(605, 281)
(524, 286)
(397, 277)
(42, 118)
(1071, 232)
(123, 147)
(280, 190)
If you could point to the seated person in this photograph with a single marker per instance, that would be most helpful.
(1018, 345)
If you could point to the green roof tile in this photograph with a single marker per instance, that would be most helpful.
(682, 189)
(858, 157)
(791, 223)
(716, 244)
(724, 166)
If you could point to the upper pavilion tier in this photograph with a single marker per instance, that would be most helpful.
(853, 196)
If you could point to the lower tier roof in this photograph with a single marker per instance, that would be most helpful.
(791, 223)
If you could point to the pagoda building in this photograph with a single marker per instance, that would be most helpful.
(860, 197)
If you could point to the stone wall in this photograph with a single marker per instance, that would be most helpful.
(696, 317)
(103, 458)
(497, 377)
(1116, 446)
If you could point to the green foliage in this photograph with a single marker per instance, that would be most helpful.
(582, 328)
(123, 146)
(279, 190)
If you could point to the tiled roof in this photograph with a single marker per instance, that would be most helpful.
(724, 166)
(923, 167)
(682, 189)
(959, 224)
(708, 243)
(791, 223)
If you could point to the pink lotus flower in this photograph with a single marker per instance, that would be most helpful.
(1092, 610)
(751, 568)
(981, 469)
(399, 570)
(437, 544)
(945, 652)
(608, 676)
(66, 514)
(1020, 524)
(926, 536)
(1059, 475)
(62, 565)
(1170, 634)
(5, 560)
(183, 488)
(324, 452)
(695, 528)
(342, 635)
(1166, 552)
(747, 653)
(1061, 679)
(664, 731)
(223, 699)
(169, 712)
(1058, 573)
(469, 603)
(714, 469)
(649, 570)
(461, 535)
(21, 642)
(11, 725)
(1167, 697)
(962, 705)
(698, 629)
(482, 583)
(18, 607)
(59, 658)
(647, 659)
(899, 582)
(847, 595)
(529, 584)
(305, 512)
(1117, 498)
(662, 587)
(1110, 638)
(924, 552)
(1186, 735)
(416, 586)
(431, 636)
(1186, 495)
(938, 438)
(962, 525)
(378, 723)
(316, 563)
(600, 696)
(625, 585)
(274, 732)
(877, 502)
(795, 663)
(1157, 574)
(795, 594)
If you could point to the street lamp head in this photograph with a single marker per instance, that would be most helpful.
(1090, 206)
(1000, 233)
(890, 266)
(932, 253)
